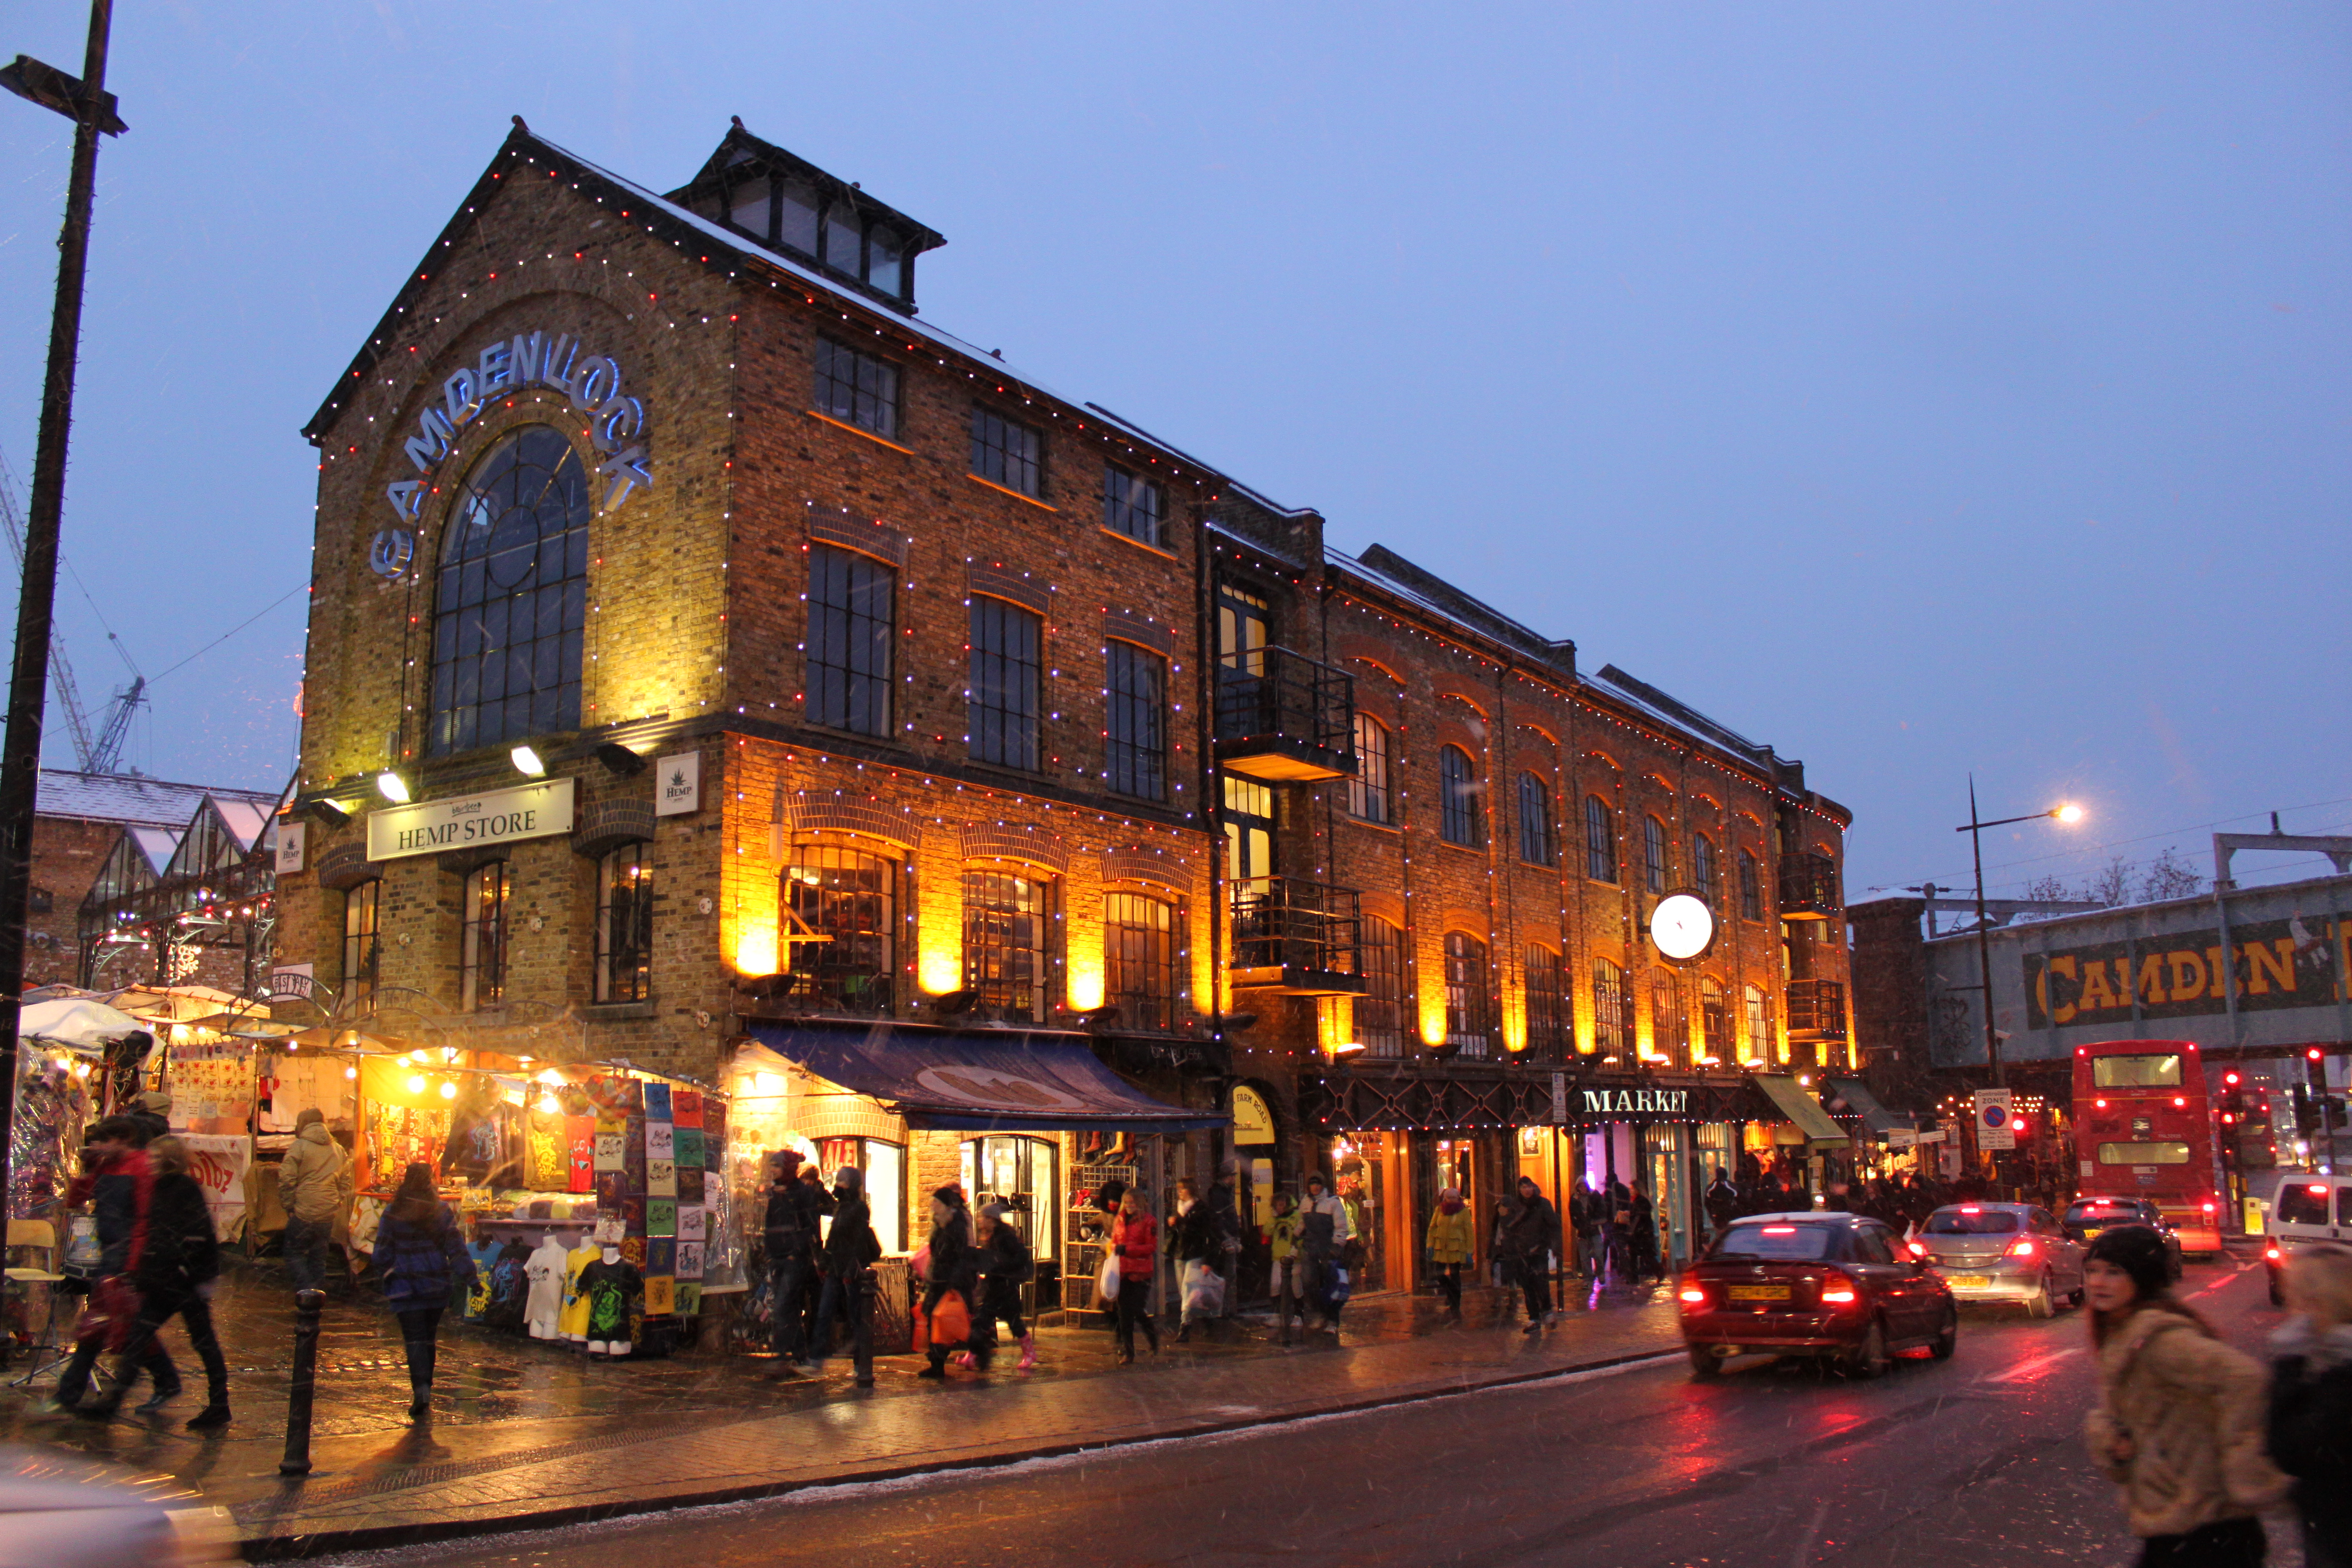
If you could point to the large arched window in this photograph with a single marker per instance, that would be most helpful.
(848, 898)
(1548, 1006)
(1669, 1019)
(1535, 820)
(1600, 840)
(1458, 817)
(1703, 867)
(1008, 952)
(1656, 871)
(513, 596)
(1368, 792)
(1140, 958)
(1468, 1011)
(1761, 1047)
(1713, 1045)
(1380, 1010)
(1612, 1008)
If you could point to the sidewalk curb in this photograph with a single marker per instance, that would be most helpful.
(286, 1548)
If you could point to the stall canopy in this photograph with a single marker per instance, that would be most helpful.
(79, 1022)
(1789, 1097)
(1866, 1105)
(978, 1081)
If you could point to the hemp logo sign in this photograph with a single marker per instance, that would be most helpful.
(678, 785)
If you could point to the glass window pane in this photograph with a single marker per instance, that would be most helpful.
(799, 227)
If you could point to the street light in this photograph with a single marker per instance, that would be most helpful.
(2069, 813)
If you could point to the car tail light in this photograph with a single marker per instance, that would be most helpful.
(2100, 1103)
(1780, 1230)
(1916, 1250)
(1971, 1208)
(1692, 1292)
(2270, 1253)
(2209, 1209)
(1838, 1294)
(2317, 1189)
(2021, 1248)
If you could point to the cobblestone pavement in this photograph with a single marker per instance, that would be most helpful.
(526, 1432)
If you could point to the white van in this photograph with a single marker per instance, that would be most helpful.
(2304, 1209)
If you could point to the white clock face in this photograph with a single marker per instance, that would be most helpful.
(1682, 926)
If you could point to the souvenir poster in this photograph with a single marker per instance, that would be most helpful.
(632, 1151)
(689, 1222)
(632, 1249)
(607, 1231)
(633, 1216)
(689, 1260)
(212, 1089)
(689, 1300)
(612, 1190)
(687, 1147)
(613, 1097)
(661, 1295)
(547, 1165)
(657, 1103)
(661, 1179)
(685, 1107)
(690, 1184)
(607, 1152)
(661, 1140)
(661, 1216)
(714, 1134)
(661, 1255)
(579, 1154)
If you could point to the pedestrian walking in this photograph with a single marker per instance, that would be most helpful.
(180, 1255)
(421, 1260)
(1722, 1200)
(1647, 1254)
(1584, 1221)
(1288, 1282)
(1450, 1241)
(2311, 1400)
(314, 1186)
(1535, 1234)
(789, 1231)
(2180, 1422)
(820, 1203)
(1194, 1243)
(1135, 1237)
(1225, 1220)
(954, 1267)
(118, 1183)
(850, 1249)
(1005, 1265)
(1323, 1232)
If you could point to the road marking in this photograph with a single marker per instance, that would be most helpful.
(1813, 1532)
(2028, 1368)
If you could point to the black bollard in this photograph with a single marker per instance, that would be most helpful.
(307, 1307)
(861, 1328)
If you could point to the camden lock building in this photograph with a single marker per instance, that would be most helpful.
(716, 668)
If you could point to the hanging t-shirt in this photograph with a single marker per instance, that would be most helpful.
(613, 1291)
(571, 1323)
(579, 1153)
(545, 1270)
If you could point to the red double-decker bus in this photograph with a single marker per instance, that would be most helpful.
(2144, 1127)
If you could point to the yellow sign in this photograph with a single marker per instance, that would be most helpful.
(1252, 1119)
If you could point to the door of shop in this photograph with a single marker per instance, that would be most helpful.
(1439, 1163)
(1665, 1166)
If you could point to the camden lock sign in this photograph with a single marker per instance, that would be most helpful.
(470, 821)
(592, 383)
(2294, 962)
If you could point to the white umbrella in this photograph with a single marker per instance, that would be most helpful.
(74, 1021)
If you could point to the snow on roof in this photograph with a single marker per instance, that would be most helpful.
(125, 797)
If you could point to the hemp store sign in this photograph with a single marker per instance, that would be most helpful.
(616, 424)
(470, 821)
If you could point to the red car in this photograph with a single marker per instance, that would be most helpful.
(1841, 1286)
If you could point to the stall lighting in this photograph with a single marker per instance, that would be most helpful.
(393, 788)
(549, 1105)
(415, 1084)
(351, 1072)
(526, 762)
(552, 1079)
(448, 1088)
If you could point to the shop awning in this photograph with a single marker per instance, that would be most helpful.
(1789, 1097)
(978, 1081)
(1866, 1105)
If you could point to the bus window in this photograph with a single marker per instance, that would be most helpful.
(2158, 1153)
(2302, 1203)
(2136, 1072)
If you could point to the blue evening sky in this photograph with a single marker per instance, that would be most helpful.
(1915, 388)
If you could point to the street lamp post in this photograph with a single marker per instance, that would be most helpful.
(1975, 830)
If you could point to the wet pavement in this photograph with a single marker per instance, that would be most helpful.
(1972, 1462)
(525, 1431)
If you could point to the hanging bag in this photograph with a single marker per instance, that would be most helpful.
(951, 1320)
(1107, 1279)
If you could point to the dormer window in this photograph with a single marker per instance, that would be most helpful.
(748, 205)
(845, 248)
(797, 228)
(761, 190)
(883, 253)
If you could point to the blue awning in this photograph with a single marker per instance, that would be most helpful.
(978, 1081)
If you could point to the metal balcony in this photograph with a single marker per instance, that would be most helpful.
(1809, 888)
(1285, 719)
(1816, 1010)
(1295, 937)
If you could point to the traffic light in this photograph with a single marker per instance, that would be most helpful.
(2306, 1114)
(2233, 1098)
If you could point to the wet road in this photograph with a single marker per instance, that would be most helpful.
(1975, 1460)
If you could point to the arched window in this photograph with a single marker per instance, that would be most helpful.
(624, 925)
(1600, 840)
(1468, 1014)
(1457, 798)
(1548, 1006)
(1368, 792)
(1140, 958)
(1760, 1045)
(1612, 1009)
(1751, 889)
(362, 932)
(1380, 1010)
(1655, 869)
(847, 896)
(1535, 820)
(1703, 866)
(1713, 1045)
(513, 596)
(1008, 952)
(482, 943)
(1669, 1019)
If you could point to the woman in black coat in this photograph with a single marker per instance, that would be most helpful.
(2311, 1401)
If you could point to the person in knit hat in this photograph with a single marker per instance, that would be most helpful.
(2180, 1421)
(953, 1267)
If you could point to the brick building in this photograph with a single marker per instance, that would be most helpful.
(979, 720)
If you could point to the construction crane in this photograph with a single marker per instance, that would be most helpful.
(103, 754)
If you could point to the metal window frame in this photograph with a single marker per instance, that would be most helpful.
(1600, 841)
(990, 433)
(1120, 512)
(1142, 985)
(1368, 788)
(482, 938)
(825, 374)
(832, 626)
(1537, 843)
(1004, 708)
(1457, 804)
(808, 961)
(1135, 723)
(977, 941)
(633, 956)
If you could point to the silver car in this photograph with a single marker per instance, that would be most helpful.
(2003, 1252)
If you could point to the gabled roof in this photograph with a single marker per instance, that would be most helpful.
(156, 845)
(127, 797)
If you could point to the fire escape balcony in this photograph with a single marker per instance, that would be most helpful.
(1809, 888)
(1285, 719)
(1295, 937)
(1816, 1010)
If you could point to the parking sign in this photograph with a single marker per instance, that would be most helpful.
(1995, 1120)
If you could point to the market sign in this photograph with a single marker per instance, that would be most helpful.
(541, 810)
(1622, 1102)
(2292, 962)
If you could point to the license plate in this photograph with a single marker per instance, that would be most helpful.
(1760, 1292)
(1972, 1281)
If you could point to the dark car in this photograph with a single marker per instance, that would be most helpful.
(2088, 1215)
(1836, 1286)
